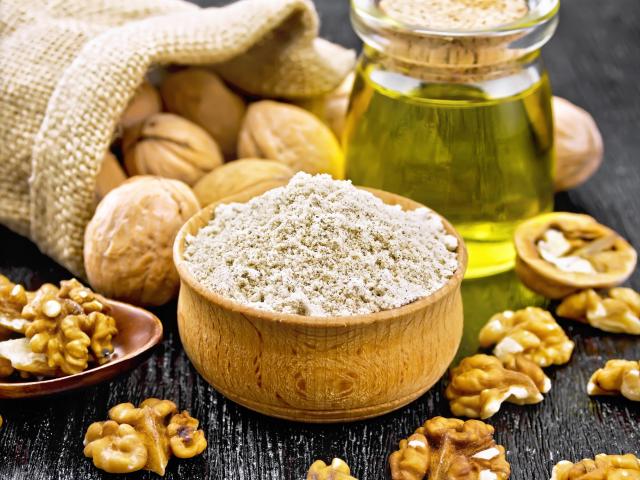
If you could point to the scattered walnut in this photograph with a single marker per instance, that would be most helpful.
(617, 377)
(257, 175)
(200, 96)
(604, 467)
(115, 448)
(291, 135)
(143, 437)
(110, 176)
(338, 470)
(172, 147)
(450, 449)
(138, 267)
(531, 332)
(616, 311)
(560, 253)
(480, 384)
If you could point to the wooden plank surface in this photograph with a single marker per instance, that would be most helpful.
(593, 61)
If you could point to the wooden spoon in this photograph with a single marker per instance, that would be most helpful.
(138, 332)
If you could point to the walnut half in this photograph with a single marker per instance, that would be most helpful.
(616, 311)
(480, 384)
(603, 467)
(450, 449)
(560, 253)
(337, 470)
(143, 437)
(617, 377)
(532, 333)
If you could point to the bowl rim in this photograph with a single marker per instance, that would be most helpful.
(310, 320)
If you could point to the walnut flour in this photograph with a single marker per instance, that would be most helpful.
(321, 247)
(456, 14)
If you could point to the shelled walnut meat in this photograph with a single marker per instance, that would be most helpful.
(337, 470)
(128, 242)
(450, 449)
(560, 253)
(618, 377)
(202, 97)
(481, 383)
(291, 135)
(143, 438)
(60, 331)
(532, 333)
(603, 467)
(616, 310)
(257, 175)
(170, 146)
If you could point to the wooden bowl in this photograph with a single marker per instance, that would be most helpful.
(138, 332)
(318, 369)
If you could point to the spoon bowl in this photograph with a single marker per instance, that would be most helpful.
(138, 332)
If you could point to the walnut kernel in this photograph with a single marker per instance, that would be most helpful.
(450, 449)
(617, 310)
(617, 377)
(154, 427)
(531, 332)
(480, 384)
(604, 467)
(337, 470)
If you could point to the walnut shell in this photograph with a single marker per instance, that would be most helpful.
(240, 175)
(578, 143)
(109, 176)
(128, 242)
(609, 257)
(200, 96)
(145, 102)
(290, 135)
(172, 147)
(331, 108)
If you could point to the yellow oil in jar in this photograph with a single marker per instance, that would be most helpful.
(479, 157)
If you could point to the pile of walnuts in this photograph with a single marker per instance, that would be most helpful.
(185, 145)
(53, 331)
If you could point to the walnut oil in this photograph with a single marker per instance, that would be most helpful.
(459, 121)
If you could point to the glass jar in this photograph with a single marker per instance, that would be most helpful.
(457, 119)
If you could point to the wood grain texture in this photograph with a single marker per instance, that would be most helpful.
(593, 61)
(318, 369)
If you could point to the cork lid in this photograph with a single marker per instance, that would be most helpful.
(457, 34)
(455, 14)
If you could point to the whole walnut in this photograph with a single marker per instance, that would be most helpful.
(240, 175)
(128, 242)
(331, 108)
(200, 96)
(109, 176)
(145, 102)
(291, 135)
(170, 146)
(578, 144)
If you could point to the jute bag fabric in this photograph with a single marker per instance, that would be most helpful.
(69, 67)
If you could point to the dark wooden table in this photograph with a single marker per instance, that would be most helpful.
(594, 61)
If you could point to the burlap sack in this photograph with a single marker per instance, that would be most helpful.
(69, 67)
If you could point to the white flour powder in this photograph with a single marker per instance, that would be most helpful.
(321, 247)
